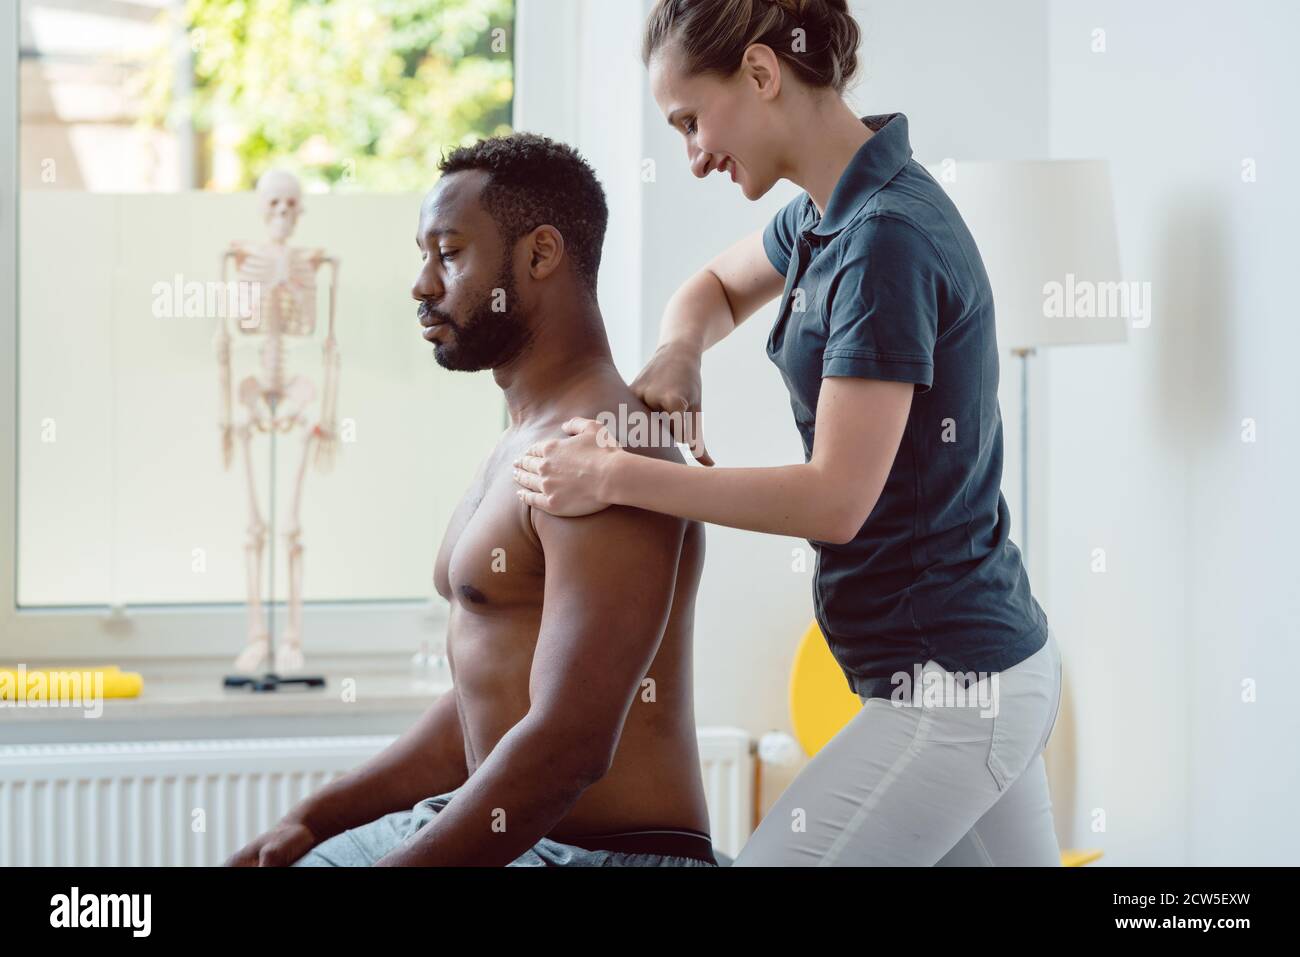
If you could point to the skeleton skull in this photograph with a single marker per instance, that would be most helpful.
(281, 198)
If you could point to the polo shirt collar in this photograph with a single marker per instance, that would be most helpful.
(876, 162)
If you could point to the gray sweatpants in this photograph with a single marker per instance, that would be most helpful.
(931, 782)
(363, 846)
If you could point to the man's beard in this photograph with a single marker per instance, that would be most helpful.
(487, 338)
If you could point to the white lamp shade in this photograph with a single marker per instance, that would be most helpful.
(1046, 232)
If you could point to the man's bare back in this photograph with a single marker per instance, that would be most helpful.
(491, 568)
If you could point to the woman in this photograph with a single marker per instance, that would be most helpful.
(885, 341)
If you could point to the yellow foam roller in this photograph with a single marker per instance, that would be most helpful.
(59, 684)
(821, 702)
(1074, 858)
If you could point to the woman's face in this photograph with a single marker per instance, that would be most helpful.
(727, 122)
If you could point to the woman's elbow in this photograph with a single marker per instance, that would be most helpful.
(839, 535)
(839, 506)
(839, 531)
(844, 523)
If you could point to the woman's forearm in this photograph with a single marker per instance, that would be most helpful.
(797, 500)
(698, 315)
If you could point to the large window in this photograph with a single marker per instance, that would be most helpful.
(143, 128)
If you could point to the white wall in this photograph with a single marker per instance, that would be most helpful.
(578, 79)
(1146, 454)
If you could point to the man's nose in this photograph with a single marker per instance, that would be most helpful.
(426, 286)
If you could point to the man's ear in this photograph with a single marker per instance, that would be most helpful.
(545, 248)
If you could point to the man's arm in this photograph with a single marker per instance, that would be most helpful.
(428, 759)
(608, 593)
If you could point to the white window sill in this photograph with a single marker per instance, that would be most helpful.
(189, 701)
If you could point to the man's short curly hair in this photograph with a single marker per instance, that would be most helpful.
(535, 181)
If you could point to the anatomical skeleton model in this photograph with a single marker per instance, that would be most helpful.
(283, 279)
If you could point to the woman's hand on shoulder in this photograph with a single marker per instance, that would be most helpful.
(568, 476)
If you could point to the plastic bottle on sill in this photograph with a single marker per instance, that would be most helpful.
(438, 670)
(420, 667)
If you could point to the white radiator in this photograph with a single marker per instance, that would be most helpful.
(727, 761)
(193, 803)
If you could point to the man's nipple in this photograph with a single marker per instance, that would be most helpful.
(472, 594)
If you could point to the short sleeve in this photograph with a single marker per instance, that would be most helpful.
(883, 310)
(780, 233)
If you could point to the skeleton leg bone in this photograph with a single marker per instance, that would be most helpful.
(256, 653)
(288, 654)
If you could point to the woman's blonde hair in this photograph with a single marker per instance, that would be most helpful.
(713, 34)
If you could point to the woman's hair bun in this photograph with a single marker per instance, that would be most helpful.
(818, 39)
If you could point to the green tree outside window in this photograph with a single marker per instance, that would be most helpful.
(349, 94)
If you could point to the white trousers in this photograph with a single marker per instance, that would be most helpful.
(950, 780)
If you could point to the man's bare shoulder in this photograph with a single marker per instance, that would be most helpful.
(631, 422)
(636, 428)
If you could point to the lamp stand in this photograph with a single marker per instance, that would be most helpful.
(1024, 355)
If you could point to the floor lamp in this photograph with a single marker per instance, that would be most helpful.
(1046, 232)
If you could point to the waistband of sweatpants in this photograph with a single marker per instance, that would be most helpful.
(665, 841)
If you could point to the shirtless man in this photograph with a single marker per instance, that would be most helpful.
(570, 735)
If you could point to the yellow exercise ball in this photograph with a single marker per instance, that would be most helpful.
(821, 702)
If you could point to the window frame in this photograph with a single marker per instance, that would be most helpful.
(338, 631)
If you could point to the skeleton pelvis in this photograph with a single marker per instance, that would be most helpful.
(283, 405)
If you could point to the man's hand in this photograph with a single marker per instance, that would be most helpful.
(278, 847)
(428, 758)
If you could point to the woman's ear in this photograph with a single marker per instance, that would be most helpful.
(763, 69)
(545, 251)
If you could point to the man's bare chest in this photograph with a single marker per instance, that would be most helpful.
(490, 559)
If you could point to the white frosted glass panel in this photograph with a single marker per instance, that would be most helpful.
(120, 479)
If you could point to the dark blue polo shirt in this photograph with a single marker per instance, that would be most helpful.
(889, 284)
